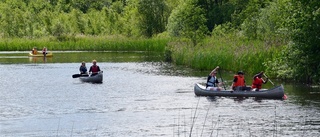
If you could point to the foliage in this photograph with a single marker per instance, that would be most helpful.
(305, 24)
(188, 21)
(81, 43)
(153, 19)
(230, 52)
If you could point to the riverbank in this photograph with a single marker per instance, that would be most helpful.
(83, 43)
(234, 54)
(250, 56)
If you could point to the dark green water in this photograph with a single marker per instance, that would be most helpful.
(70, 57)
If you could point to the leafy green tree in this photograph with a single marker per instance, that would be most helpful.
(250, 17)
(305, 24)
(130, 20)
(152, 19)
(63, 6)
(188, 20)
(86, 5)
(77, 21)
(217, 12)
(13, 18)
(46, 18)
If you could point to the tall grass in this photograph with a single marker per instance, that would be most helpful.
(230, 54)
(89, 43)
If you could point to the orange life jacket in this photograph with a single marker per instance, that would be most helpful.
(239, 82)
(257, 83)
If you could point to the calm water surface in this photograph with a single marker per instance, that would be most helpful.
(140, 96)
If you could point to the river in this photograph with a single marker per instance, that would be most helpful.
(140, 96)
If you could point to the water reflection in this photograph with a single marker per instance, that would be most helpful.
(40, 59)
(70, 57)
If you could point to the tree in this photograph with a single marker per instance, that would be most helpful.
(152, 19)
(305, 24)
(188, 20)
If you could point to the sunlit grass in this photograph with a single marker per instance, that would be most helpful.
(88, 43)
(230, 54)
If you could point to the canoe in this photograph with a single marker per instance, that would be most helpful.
(272, 93)
(39, 54)
(93, 79)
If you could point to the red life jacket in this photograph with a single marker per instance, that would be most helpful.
(94, 69)
(239, 82)
(257, 83)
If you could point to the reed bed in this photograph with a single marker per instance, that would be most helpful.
(232, 55)
(85, 43)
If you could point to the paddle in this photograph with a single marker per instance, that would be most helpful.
(268, 79)
(222, 81)
(79, 75)
(284, 95)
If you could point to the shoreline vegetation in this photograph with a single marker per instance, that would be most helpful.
(278, 37)
(230, 54)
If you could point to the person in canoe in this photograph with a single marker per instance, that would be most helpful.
(83, 69)
(239, 82)
(212, 81)
(258, 81)
(34, 51)
(94, 69)
(44, 51)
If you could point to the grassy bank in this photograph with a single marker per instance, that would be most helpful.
(230, 54)
(85, 43)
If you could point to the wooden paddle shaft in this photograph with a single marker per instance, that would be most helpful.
(269, 79)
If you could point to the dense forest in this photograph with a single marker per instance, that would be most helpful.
(289, 27)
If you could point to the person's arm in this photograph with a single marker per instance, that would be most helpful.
(265, 81)
(214, 70)
(235, 79)
(90, 70)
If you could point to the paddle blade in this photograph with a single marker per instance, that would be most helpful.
(79, 75)
(76, 75)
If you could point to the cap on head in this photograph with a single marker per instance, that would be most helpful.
(240, 72)
(94, 61)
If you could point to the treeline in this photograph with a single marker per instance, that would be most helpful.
(289, 27)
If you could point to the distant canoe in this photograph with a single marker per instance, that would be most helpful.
(39, 54)
(273, 93)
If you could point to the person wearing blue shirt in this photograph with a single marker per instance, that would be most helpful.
(83, 69)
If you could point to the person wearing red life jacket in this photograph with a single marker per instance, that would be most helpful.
(94, 69)
(239, 82)
(258, 81)
(44, 51)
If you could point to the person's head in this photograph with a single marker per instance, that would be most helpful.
(260, 74)
(94, 62)
(83, 63)
(240, 73)
(214, 73)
